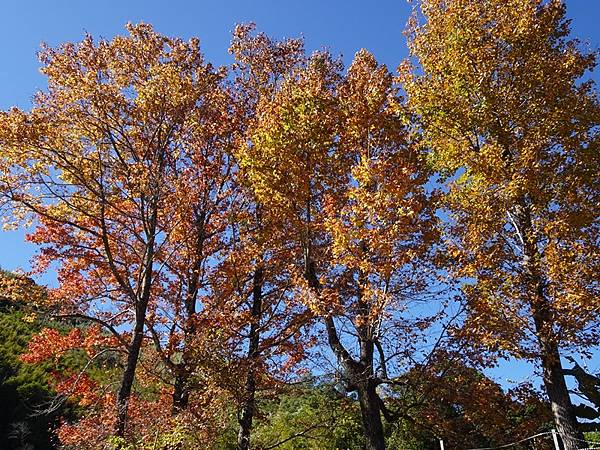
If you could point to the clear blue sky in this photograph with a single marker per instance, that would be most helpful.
(343, 27)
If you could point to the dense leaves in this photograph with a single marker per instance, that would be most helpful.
(221, 234)
(30, 413)
(514, 128)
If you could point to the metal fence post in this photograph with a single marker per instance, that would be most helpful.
(555, 439)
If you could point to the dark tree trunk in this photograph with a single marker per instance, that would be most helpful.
(554, 378)
(248, 405)
(141, 306)
(359, 374)
(247, 413)
(181, 384)
(560, 401)
(369, 400)
(181, 394)
(129, 374)
(140, 300)
(371, 416)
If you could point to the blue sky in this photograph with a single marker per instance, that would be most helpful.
(343, 27)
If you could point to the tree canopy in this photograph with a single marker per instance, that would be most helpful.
(288, 253)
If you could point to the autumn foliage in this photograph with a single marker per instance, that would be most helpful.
(221, 234)
(514, 130)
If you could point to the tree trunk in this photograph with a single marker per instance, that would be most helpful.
(140, 301)
(359, 373)
(181, 385)
(181, 394)
(129, 375)
(248, 405)
(361, 379)
(247, 414)
(553, 376)
(371, 416)
(560, 401)
(138, 335)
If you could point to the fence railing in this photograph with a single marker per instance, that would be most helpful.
(585, 444)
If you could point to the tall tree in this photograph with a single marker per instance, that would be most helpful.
(514, 129)
(204, 199)
(95, 164)
(333, 156)
(256, 275)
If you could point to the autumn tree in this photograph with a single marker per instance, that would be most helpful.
(96, 163)
(333, 156)
(448, 396)
(380, 228)
(256, 279)
(204, 196)
(512, 126)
